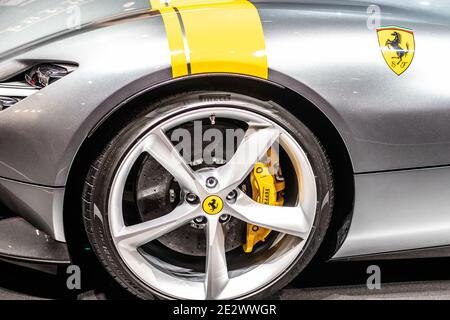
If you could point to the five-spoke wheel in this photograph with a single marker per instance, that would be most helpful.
(191, 248)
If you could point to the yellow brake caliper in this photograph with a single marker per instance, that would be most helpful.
(266, 189)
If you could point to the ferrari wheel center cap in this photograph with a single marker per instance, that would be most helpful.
(212, 205)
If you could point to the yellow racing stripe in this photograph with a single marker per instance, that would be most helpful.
(214, 36)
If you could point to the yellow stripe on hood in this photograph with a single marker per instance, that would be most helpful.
(214, 36)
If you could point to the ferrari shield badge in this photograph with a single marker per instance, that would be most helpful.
(397, 46)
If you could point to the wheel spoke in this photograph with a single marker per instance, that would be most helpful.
(216, 278)
(253, 147)
(139, 234)
(162, 150)
(290, 220)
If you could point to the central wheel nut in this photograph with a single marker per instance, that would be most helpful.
(211, 182)
(212, 205)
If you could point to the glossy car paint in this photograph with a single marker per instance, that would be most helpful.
(39, 205)
(407, 209)
(324, 50)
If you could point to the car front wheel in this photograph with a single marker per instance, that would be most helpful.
(208, 195)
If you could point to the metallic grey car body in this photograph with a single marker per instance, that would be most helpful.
(394, 127)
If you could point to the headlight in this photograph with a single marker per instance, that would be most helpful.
(42, 75)
(28, 82)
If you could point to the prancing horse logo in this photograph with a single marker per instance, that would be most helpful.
(397, 46)
(212, 205)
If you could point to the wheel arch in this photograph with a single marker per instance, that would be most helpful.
(296, 98)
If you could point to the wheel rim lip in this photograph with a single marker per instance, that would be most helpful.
(157, 280)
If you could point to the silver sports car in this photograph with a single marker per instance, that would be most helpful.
(212, 149)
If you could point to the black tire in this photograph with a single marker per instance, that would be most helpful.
(100, 176)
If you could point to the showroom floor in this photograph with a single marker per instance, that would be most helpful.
(413, 279)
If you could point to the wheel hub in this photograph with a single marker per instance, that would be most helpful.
(189, 239)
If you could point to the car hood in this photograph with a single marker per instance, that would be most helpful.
(26, 21)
